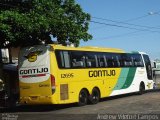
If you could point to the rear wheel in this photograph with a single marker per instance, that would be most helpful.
(95, 96)
(83, 98)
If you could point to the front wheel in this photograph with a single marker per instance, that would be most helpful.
(141, 89)
(83, 98)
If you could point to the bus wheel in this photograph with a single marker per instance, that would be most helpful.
(141, 89)
(83, 98)
(95, 96)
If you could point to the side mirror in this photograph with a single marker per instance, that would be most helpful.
(153, 64)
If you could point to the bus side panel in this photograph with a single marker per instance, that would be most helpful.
(125, 82)
(72, 79)
(137, 77)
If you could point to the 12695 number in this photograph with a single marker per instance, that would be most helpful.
(67, 75)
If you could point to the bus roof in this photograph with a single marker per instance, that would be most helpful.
(88, 48)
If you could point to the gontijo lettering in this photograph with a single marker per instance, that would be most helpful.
(33, 71)
(101, 73)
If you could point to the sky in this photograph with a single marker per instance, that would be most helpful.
(132, 25)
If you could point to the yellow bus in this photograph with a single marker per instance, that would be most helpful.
(56, 74)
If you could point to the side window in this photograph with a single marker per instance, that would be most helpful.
(121, 60)
(91, 60)
(77, 59)
(137, 60)
(113, 60)
(109, 60)
(127, 60)
(63, 59)
(66, 59)
(101, 60)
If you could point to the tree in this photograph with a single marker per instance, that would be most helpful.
(1, 65)
(29, 22)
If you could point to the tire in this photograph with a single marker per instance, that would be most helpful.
(83, 98)
(141, 89)
(95, 96)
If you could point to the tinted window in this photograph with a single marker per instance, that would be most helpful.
(112, 60)
(91, 59)
(109, 60)
(127, 60)
(116, 58)
(63, 59)
(77, 59)
(101, 60)
(82, 59)
(137, 60)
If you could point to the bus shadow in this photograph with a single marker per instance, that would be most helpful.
(47, 108)
(36, 108)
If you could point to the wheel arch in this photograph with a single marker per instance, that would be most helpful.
(142, 84)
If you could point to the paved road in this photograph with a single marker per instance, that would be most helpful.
(148, 103)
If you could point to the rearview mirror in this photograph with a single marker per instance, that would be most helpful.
(153, 64)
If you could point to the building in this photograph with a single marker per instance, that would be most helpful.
(10, 76)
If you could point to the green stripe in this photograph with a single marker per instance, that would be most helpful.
(122, 78)
(135, 52)
(129, 78)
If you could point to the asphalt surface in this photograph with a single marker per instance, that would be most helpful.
(108, 108)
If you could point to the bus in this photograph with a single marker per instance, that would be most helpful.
(56, 74)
